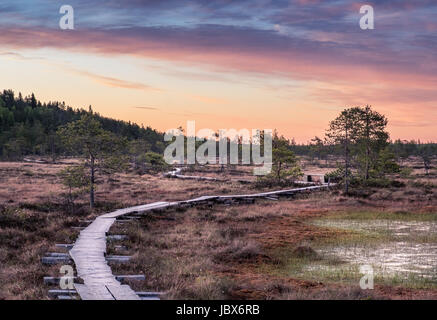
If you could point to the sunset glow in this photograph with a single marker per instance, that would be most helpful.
(289, 65)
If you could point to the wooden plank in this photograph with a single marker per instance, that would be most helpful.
(121, 278)
(150, 298)
(136, 209)
(64, 245)
(58, 292)
(144, 295)
(136, 277)
(149, 293)
(62, 297)
(122, 292)
(117, 237)
(57, 254)
(55, 260)
(127, 218)
(118, 259)
(93, 292)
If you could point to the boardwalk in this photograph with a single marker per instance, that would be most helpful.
(88, 252)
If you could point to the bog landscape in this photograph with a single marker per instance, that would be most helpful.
(62, 168)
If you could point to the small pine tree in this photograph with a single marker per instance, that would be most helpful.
(285, 165)
(102, 151)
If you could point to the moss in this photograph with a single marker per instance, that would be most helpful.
(330, 268)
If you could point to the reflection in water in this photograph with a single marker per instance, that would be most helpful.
(402, 255)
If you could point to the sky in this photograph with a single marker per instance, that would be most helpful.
(255, 64)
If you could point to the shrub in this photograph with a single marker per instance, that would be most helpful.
(150, 162)
(405, 172)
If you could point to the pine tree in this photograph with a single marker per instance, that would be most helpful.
(102, 151)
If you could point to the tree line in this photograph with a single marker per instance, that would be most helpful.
(320, 149)
(28, 127)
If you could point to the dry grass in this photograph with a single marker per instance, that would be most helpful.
(201, 253)
(25, 236)
(229, 245)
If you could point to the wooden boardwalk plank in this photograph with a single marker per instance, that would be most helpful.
(122, 292)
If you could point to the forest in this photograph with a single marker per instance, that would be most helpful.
(28, 127)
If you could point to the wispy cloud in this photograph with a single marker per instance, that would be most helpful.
(18, 56)
(113, 82)
(145, 108)
(315, 43)
(104, 80)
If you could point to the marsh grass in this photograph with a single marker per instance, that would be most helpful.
(27, 233)
(180, 262)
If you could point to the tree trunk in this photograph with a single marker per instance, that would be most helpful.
(52, 148)
(367, 162)
(346, 172)
(70, 200)
(367, 145)
(279, 173)
(92, 183)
